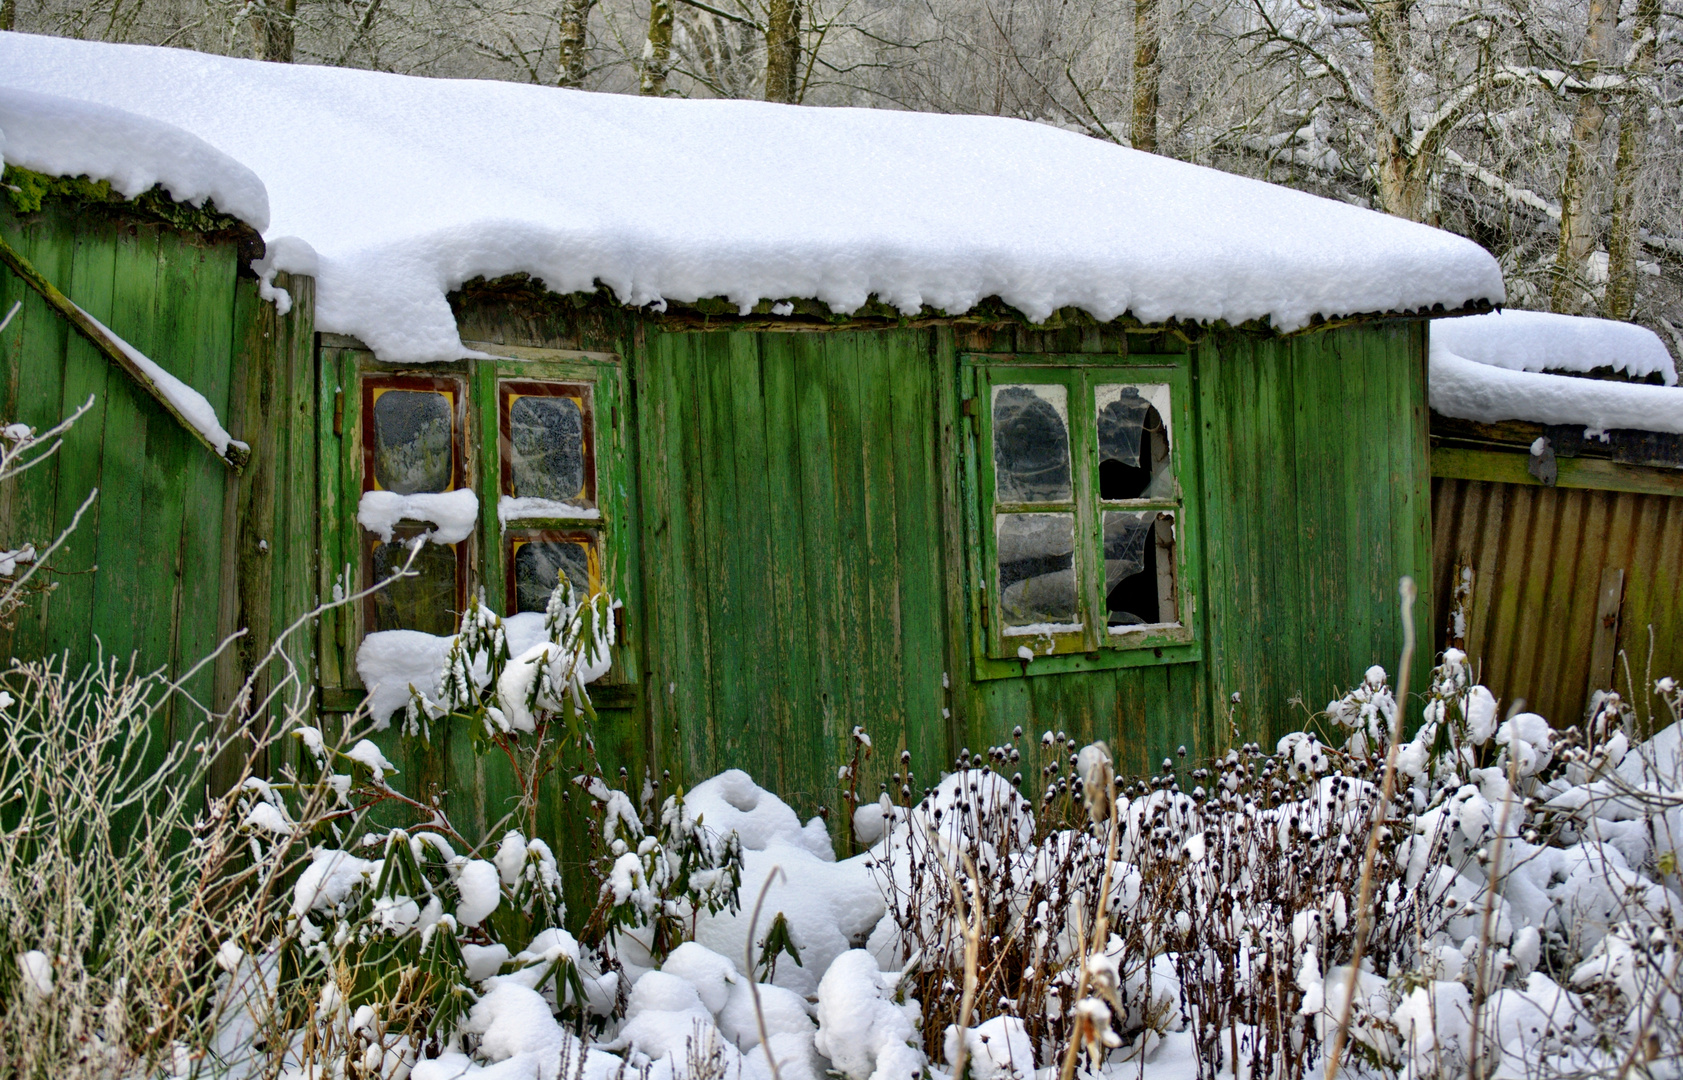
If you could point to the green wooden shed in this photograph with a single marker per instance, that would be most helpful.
(970, 425)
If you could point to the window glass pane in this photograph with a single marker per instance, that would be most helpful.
(425, 602)
(1031, 444)
(1138, 569)
(538, 564)
(1134, 442)
(1036, 569)
(546, 448)
(413, 440)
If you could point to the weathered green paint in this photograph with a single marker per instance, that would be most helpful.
(809, 567)
(792, 518)
(165, 530)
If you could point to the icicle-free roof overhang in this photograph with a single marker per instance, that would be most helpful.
(394, 190)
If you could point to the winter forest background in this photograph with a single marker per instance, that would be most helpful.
(1549, 131)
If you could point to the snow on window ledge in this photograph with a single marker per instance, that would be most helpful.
(510, 508)
(453, 512)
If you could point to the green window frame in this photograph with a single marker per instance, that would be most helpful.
(582, 395)
(1084, 523)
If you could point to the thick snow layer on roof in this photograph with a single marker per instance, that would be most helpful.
(1470, 390)
(63, 137)
(407, 187)
(1544, 341)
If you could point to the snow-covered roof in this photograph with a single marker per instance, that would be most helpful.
(1544, 341)
(1496, 367)
(407, 187)
(62, 137)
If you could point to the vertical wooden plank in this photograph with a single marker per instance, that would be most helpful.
(885, 679)
(797, 709)
(919, 514)
(1321, 453)
(1606, 633)
(133, 573)
(198, 282)
(333, 391)
(32, 380)
(952, 433)
(844, 377)
(750, 692)
(824, 546)
(87, 373)
(299, 554)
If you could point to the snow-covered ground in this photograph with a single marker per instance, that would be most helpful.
(1526, 907)
(407, 187)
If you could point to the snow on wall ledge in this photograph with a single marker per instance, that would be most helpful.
(62, 137)
(1469, 390)
(407, 187)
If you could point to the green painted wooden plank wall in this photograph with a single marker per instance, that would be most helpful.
(1318, 496)
(806, 572)
(800, 506)
(153, 570)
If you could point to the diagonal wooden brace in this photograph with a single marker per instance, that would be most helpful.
(237, 454)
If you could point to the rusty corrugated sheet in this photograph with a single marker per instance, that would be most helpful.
(1538, 554)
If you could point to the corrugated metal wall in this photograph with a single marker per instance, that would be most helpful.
(1537, 555)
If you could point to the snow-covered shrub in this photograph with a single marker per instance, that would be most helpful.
(1525, 904)
(655, 872)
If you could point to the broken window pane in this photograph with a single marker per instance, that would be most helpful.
(1031, 444)
(1036, 568)
(1134, 442)
(546, 448)
(414, 440)
(426, 601)
(1138, 568)
(538, 564)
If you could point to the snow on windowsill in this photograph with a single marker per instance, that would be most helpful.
(455, 513)
(510, 508)
(1043, 629)
(389, 662)
(1142, 628)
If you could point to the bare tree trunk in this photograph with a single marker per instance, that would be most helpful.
(657, 49)
(1627, 168)
(1143, 134)
(272, 30)
(783, 50)
(1402, 186)
(8, 14)
(1578, 208)
(571, 25)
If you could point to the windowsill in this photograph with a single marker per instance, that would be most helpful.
(1177, 647)
(1040, 630)
(1141, 628)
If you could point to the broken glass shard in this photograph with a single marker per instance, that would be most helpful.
(1031, 444)
(1133, 442)
(1036, 568)
(1138, 568)
(424, 602)
(546, 448)
(414, 441)
(538, 566)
